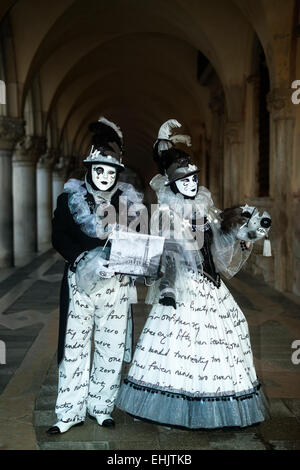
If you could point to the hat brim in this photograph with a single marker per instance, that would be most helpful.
(100, 162)
(182, 177)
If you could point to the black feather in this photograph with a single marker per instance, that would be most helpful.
(103, 135)
(167, 157)
(231, 217)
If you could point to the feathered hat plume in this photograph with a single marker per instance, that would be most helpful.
(165, 133)
(105, 133)
(171, 161)
(107, 143)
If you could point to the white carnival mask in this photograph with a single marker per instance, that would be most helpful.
(103, 176)
(188, 186)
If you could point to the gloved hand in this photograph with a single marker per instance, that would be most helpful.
(168, 301)
(91, 269)
(73, 266)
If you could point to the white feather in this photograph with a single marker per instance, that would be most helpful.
(166, 128)
(163, 145)
(112, 125)
(184, 139)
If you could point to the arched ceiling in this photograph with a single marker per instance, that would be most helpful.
(133, 61)
(5, 6)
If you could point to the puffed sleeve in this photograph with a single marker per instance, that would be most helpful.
(229, 253)
(62, 239)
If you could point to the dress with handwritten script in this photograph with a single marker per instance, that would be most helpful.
(193, 364)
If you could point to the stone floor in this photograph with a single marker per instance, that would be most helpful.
(28, 380)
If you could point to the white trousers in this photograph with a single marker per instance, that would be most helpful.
(106, 313)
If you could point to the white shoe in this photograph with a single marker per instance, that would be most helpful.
(61, 427)
(103, 420)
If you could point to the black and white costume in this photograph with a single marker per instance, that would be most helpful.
(94, 301)
(193, 364)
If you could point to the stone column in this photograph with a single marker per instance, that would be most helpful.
(44, 200)
(11, 130)
(25, 157)
(216, 159)
(58, 181)
(282, 122)
(250, 164)
(233, 153)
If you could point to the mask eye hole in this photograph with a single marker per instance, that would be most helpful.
(99, 170)
(246, 214)
(265, 222)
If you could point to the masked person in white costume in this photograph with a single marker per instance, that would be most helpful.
(95, 302)
(193, 364)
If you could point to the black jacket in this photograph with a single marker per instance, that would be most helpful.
(67, 237)
(70, 241)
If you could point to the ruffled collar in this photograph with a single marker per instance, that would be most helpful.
(90, 223)
(202, 204)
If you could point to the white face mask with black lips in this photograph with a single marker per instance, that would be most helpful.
(188, 186)
(103, 176)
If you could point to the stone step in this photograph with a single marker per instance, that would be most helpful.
(51, 380)
(48, 389)
(44, 417)
(6, 370)
(73, 445)
(53, 366)
(15, 354)
(80, 434)
(19, 344)
(45, 402)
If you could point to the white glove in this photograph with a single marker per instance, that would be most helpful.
(91, 269)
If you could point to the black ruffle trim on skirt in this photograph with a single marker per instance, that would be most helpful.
(193, 412)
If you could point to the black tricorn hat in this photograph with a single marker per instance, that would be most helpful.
(107, 144)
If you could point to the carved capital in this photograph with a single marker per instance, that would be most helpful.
(29, 149)
(60, 167)
(280, 103)
(234, 132)
(254, 80)
(47, 159)
(11, 130)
